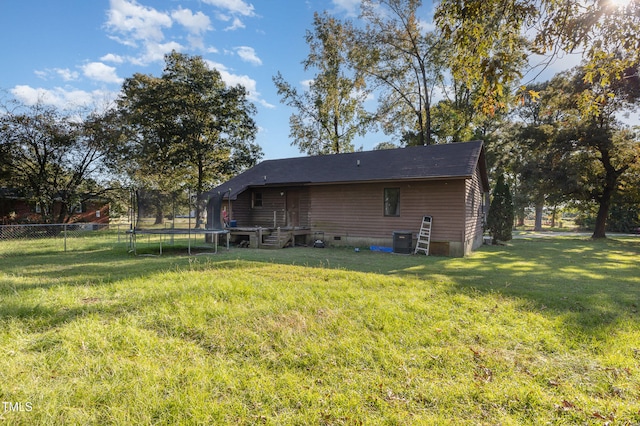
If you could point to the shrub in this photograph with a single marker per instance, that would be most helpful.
(500, 219)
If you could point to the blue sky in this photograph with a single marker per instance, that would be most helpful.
(77, 52)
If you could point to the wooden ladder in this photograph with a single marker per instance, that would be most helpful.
(424, 236)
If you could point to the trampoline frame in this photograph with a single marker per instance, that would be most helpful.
(133, 233)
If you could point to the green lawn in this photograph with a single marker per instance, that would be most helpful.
(539, 331)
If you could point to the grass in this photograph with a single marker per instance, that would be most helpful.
(540, 331)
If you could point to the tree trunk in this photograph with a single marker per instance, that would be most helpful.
(199, 211)
(159, 216)
(336, 137)
(520, 217)
(538, 225)
(601, 220)
(157, 200)
(62, 214)
(604, 201)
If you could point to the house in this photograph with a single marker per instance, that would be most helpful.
(362, 198)
(15, 208)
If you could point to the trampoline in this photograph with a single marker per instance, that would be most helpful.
(215, 234)
(207, 206)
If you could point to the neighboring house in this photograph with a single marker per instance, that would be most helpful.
(362, 198)
(15, 208)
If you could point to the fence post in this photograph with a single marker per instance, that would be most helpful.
(64, 227)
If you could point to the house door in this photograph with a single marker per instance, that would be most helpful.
(293, 208)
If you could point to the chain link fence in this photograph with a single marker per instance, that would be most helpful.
(16, 240)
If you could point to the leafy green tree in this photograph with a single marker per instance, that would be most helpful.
(402, 61)
(624, 215)
(558, 154)
(385, 145)
(500, 218)
(148, 159)
(491, 48)
(187, 128)
(459, 115)
(450, 122)
(5, 164)
(52, 157)
(599, 153)
(330, 113)
(526, 151)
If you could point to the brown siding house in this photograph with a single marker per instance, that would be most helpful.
(362, 198)
(15, 208)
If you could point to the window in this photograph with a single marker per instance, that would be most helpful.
(392, 201)
(256, 199)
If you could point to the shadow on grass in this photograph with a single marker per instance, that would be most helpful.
(593, 284)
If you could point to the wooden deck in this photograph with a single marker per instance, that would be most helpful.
(271, 238)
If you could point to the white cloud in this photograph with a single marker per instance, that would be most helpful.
(139, 22)
(248, 54)
(235, 25)
(194, 23)
(65, 73)
(196, 42)
(351, 7)
(154, 52)
(110, 57)
(244, 80)
(230, 10)
(61, 97)
(234, 6)
(142, 27)
(426, 26)
(101, 72)
(29, 95)
(123, 41)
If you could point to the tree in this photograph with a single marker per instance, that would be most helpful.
(459, 116)
(385, 145)
(599, 152)
(330, 113)
(526, 152)
(148, 158)
(187, 128)
(557, 153)
(396, 55)
(500, 218)
(491, 48)
(54, 158)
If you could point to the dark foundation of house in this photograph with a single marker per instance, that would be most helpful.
(267, 238)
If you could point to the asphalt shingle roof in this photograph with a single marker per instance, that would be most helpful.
(455, 160)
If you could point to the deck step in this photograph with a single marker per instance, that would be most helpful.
(273, 242)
